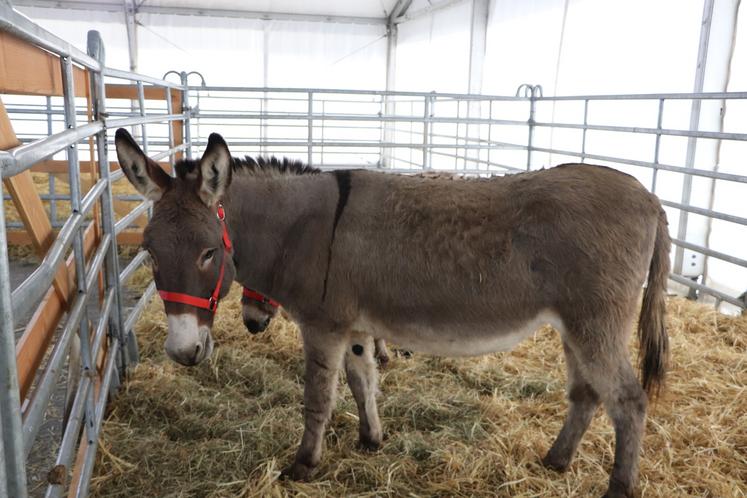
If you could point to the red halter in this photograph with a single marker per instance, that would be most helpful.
(210, 303)
(256, 296)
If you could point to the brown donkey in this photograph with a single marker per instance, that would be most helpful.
(443, 267)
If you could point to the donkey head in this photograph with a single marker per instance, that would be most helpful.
(257, 310)
(191, 254)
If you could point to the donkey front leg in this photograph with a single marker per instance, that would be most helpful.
(360, 368)
(324, 353)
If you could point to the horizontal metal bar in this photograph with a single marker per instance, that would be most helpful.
(651, 96)
(711, 252)
(103, 323)
(428, 9)
(98, 259)
(706, 212)
(646, 164)
(330, 91)
(648, 131)
(20, 26)
(139, 120)
(139, 307)
(168, 152)
(708, 290)
(480, 161)
(127, 220)
(390, 145)
(23, 157)
(116, 175)
(132, 266)
(206, 11)
(356, 117)
(126, 75)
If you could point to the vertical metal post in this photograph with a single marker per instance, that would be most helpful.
(52, 186)
(530, 125)
(170, 110)
(186, 111)
(126, 338)
(310, 125)
(426, 131)
(321, 148)
(382, 134)
(10, 403)
(687, 184)
(456, 133)
(656, 146)
(3, 477)
(73, 166)
(410, 136)
(490, 132)
(141, 106)
(583, 133)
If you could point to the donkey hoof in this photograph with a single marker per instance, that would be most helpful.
(615, 492)
(296, 472)
(369, 445)
(552, 462)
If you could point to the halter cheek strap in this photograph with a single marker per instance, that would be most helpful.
(256, 296)
(210, 303)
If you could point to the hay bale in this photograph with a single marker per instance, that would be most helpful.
(456, 427)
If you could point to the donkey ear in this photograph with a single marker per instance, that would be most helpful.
(215, 170)
(144, 173)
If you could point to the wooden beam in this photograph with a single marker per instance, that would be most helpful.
(58, 166)
(126, 238)
(29, 70)
(129, 92)
(177, 126)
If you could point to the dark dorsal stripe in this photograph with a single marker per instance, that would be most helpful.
(343, 189)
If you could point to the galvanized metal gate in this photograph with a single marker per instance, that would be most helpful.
(103, 333)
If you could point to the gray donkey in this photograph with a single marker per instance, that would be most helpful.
(443, 267)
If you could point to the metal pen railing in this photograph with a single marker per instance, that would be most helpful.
(20, 423)
(409, 132)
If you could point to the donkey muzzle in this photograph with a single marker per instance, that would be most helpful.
(188, 342)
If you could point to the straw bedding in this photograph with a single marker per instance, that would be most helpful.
(455, 427)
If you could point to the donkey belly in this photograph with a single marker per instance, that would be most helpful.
(462, 339)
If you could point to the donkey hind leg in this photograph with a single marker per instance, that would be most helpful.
(583, 402)
(360, 368)
(323, 354)
(605, 363)
(382, 353)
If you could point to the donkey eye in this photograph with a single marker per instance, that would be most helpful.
(207, 255)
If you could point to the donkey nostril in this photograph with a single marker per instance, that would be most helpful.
(198, 348)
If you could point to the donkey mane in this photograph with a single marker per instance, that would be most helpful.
(250, 165)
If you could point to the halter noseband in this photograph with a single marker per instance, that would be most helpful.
(210, 303)
(256, 296)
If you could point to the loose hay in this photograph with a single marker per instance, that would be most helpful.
(456, 427)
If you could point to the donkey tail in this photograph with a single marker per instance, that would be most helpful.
(652, 334)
